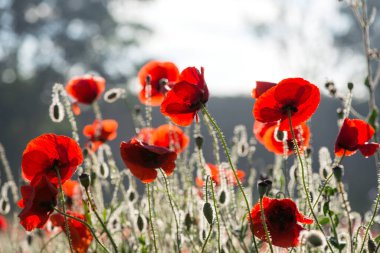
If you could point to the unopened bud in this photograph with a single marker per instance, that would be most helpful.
(188, 221)
(199, 141)
(338, 172)
(315, 238)
(85, 180)
(208, 212)
(371, 246)
(350, 86)
(5, 207)
(264, 187)
(340, 113)
(137, 109)
(113, 95)
(140, 223)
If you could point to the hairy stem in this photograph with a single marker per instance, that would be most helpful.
(267, 235)
(151, 217)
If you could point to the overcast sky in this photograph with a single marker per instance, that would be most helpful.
(219, 35)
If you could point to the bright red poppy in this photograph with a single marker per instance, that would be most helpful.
(186, 98)
(143, 159)
(37, 202)
(81, 236)
(215, 176)
(266, 134)
(282, 218)
(3, 224)
(260, 88)
(296, 95)
(71, 188)
(101, 131)
(162, 76)
(354, 135)
(86, 89)
(169, 135)
(47, 152)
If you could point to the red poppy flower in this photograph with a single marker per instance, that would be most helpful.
(294, 94)
(261, 87)
(81, 236)
(215, 176)
(86, 89)
(37, 202)
(143, 159)
(186, 97)
(145, 134)
(100, 132)
(354, 135)
(282, 218)
(3, 224)
(49, 151)
(167, 135)
(162, 76)
(71, 187)
(266, 135)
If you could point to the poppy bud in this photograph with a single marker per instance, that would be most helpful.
(188, 221)
(243, 148)
(84, 180)
(340, 113)
(104, 170)
(208, 212)
(330, 86)
(371, 246)
(5, 207)
(113, 95)
(264, 187)
(222, 197)
(279, 135)
(315, 239)
(199, 141)
(56, 112)
(85, 152)
(338, 172)
(137, 109)
(140, 223)
(309, 151)
(29, 239)
(132, 195)
(350, 86)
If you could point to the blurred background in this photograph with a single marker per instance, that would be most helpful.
(237, 41)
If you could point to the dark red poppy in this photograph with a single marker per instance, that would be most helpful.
(260, 88)
(47, 152)
(282, 218)
(3, 224)
(162, 76)
(143, 159)
(215, 176)
(186, 97)
(101, 131)
(296, 95)
(354, 135)
(86, 89)
(81, 236)
(145, 134)
(169, 135)
(266, 135)
(37, 202)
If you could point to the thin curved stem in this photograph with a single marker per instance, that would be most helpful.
(221, 137)
(49, 241)
(93, 207)
(151, 217)
(346, 208)
(305, 187)
(62, 202)
(173, 210)
(265, 225)
(207, 238)
(84, 223)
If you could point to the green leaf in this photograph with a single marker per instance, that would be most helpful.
(366, 82)
(326, 207)
(323, 220)
(377, 239)
(372, 119)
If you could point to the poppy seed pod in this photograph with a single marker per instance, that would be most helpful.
(315, 238)
(199, 141)
(85, 180)
(350, 86)
(338, 172)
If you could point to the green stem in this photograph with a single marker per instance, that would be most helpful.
(221, 137)
(62, 202)
(207, 238)
(49, 241)
(84, 223)
(173, 210)
(93, 207)
(265, 225)
(151, 217)
(346, 208)
(305, 187)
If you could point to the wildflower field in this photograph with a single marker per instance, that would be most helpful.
(74, 195)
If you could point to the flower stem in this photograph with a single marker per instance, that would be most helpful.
(305, 187)
(93, 207)
(173, 210)
(207, 238)
(84, 223)
(62, 202)
(221, 137)
(347, 209)
(265, 225)
(151, 217)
